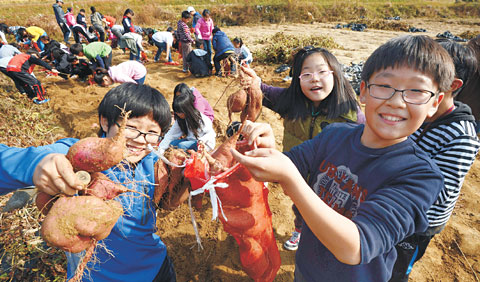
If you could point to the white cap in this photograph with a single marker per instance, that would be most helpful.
(190, 9)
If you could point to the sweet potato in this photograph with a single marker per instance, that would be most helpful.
(236, 102)
(73, 222)
(104, 188)
(254, 107)
(94, 154)
(44, 202)
(174, 191)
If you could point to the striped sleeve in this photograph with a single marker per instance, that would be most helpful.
(453, 148)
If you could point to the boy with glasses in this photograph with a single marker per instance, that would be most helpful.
(372, 185)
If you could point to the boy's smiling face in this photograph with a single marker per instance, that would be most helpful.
(391, 121)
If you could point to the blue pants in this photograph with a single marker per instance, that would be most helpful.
(162, 46)
(133, 57)
(140, 81)
(185, 144)
(207, 46)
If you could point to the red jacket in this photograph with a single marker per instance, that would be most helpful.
(25, 63)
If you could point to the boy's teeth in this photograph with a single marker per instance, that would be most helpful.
(392, 118)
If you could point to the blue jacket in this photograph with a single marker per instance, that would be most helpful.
(138, 253)
(221, 43)
(386, 192)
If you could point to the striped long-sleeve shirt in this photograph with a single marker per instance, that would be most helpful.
(183, 32)
(452, 143)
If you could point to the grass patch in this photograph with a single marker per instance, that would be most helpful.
(280, 47)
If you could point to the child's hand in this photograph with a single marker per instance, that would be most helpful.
(267, 165)
(54, 174)
(260, 133)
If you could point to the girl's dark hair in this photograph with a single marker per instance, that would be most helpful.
(238, 40)
(463, 59)
(99, 74)
(295, 105)
(182, 88)
(139, 100)
(205, 12)
(93, 9)
(193, 119)
(69, 9)
(128, 11)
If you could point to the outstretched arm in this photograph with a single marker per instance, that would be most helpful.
(338, 233)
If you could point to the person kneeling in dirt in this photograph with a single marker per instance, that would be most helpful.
(20, 69)
(224, 49)
(129, 71)
(133, 251)
(198, 63)
(99, 53)
(190, 126)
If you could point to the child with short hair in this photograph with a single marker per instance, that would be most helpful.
(132, 251)
(243, 53)
(450, 140)
(99, 53)
(372, 185)
(190, 123)
(186, 40)
(129, 71)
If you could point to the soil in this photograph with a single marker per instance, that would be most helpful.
(454, 255)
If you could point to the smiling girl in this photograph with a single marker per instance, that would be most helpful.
(318, 95)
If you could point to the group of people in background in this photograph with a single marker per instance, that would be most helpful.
(196, 38)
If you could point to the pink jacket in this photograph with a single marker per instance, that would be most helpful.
(201, 104)
(70, 18)
(204, 28)
(128, 71)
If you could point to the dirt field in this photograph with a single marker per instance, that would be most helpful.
(454, 255)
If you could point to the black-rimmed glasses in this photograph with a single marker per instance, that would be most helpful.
(411, 96)
(133, 133)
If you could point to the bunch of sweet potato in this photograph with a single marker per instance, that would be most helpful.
(75, 223)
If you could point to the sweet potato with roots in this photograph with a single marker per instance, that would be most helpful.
(247, 100)
(73, 222)
(104, 188)
(171, 188)
(94, 154)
